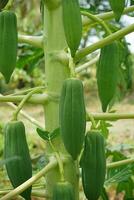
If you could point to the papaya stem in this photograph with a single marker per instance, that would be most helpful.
(111, 116)
(120, 163)
(36, 41)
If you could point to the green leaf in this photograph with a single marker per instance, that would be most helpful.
(126, 186)
(54, 134)
(117, 7)
(43, 134)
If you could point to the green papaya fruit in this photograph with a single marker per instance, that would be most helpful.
(93, 163)
(19, 170)
(107, 73)
(63, 191)
(8, 43)
(72, 116)
(72, 24)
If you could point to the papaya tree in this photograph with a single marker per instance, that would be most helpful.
(70, 146)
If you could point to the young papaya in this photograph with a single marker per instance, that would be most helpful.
(8, 43)
(72, 116)
(93, 163)
(72, 24)
(117, 7)
(63, 191)
(3, 3)
(107, 73)
(19, 170)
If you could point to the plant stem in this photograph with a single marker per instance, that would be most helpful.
(39, 193)
(111, 116)
(107, 16)
(35, 99)
(26, 116)
(91, 118)
(109, 39)
(87, 65)
(57, 155)
(25, 91)
(120, 163)
(98, 20)
(15, 114)
(36, 41)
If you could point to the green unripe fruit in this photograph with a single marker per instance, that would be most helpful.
(63, 191)
(8, 43)
(16, 152)
(93, 165)
(72, 116)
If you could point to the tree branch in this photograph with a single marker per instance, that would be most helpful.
(111, 116)
(35, 99)
(106, 16)
(120, 163)
(107, 40)
(36, 41)
(26, 116)
(87, 64)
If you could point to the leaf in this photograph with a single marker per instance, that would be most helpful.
(117, 7)
(54, 134)
(43, 134)
(126, 186)
(29, 59)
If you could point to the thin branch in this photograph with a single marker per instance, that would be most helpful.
(106, 16)
(36, 41)
(111, 116)
(35, 99)
(26, 116)
(87, 64)
(120, 163)
(107, 40)
(94, 18)
(39, 193)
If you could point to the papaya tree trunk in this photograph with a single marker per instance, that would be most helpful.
(56, 70)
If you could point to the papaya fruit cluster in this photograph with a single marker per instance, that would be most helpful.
(72, 126)
(8, 43)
